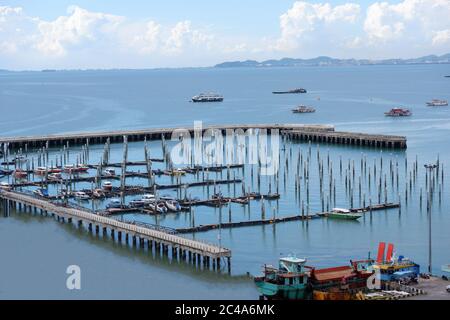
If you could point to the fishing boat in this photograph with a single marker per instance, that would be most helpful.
(172, 205)
(20, 174)
(303, 109)
(207, 97)
(41, 192)
(391, 268)
(338, 213)
(114, 204)
(80, 195)
(107, 186)
(299, 90)
(437, 103)
(289, 281)
(398, 112)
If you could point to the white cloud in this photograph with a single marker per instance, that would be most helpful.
(305, 19)
(441, 37)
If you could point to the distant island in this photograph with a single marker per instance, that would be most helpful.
(327, 61)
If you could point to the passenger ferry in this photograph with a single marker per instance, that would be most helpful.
(207, 97)
(303, 109)
(437, 103)
(398, 112)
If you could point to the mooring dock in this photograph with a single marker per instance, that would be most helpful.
(318, 133)
(191, 251)
(347, 138)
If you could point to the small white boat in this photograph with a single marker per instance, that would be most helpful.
(98, 193)
(5, 186)
(41, 170)
(173, 205)
(81, 195)
(54, 176)
(114, 203)
(137, 203)
(157, 207)
(41, 192)
(148, 198)
(109, 172)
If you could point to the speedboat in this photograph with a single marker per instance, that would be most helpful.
(148, 198)
(137, 203)
(109, 172)
(81, 195)
(157, 207)
(173, 205)
(54, 176)
(114, 203)
(41, 192)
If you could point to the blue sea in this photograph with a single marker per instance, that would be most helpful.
(36, 250)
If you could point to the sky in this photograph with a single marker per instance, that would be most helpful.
(86, 34)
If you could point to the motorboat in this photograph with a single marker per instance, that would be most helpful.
(80, 195)
(107, 186)
(172, 205)
(114, 204)
(41, 192)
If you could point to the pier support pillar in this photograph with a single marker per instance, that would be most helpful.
(119, 236)
(229, 264)
(97, 229)
(104, 231)
(134, 240)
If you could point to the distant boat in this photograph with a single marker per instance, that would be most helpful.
(207, 97)
(437, 103)
(114, 203)
(81, 195)
(298, 90)
(41, 192)
(398, 112)
(303, 109)
(446, 268)
(338, 213)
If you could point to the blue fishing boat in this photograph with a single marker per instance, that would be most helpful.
(289, 281)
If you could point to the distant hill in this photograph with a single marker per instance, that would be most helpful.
(327, 61)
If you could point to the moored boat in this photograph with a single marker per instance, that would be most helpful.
(338, 213)
(114, 204)
(107, 186)
(398, 112)
(41, 192)
(54, 176)
(109, 172)
(80, 195)
(289, 281)
(20, 174)
(172, 205)
(5, 186)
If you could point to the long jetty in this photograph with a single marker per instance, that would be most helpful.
(189, 250)
(320, 133)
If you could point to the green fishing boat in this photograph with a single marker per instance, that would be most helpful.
(338, 213)
(289, 281)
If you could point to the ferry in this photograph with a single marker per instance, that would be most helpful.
(303, 109)
(338, 213)
(289, 281)
(398, 112)
(299, 90)
(207, 97)
(437, 103)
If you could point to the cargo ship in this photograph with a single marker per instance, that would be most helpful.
(303, 109)
(437, 103)
(299, 90)
(207, 97)
(398, 112)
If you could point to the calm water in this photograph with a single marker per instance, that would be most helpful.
(36, 250)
